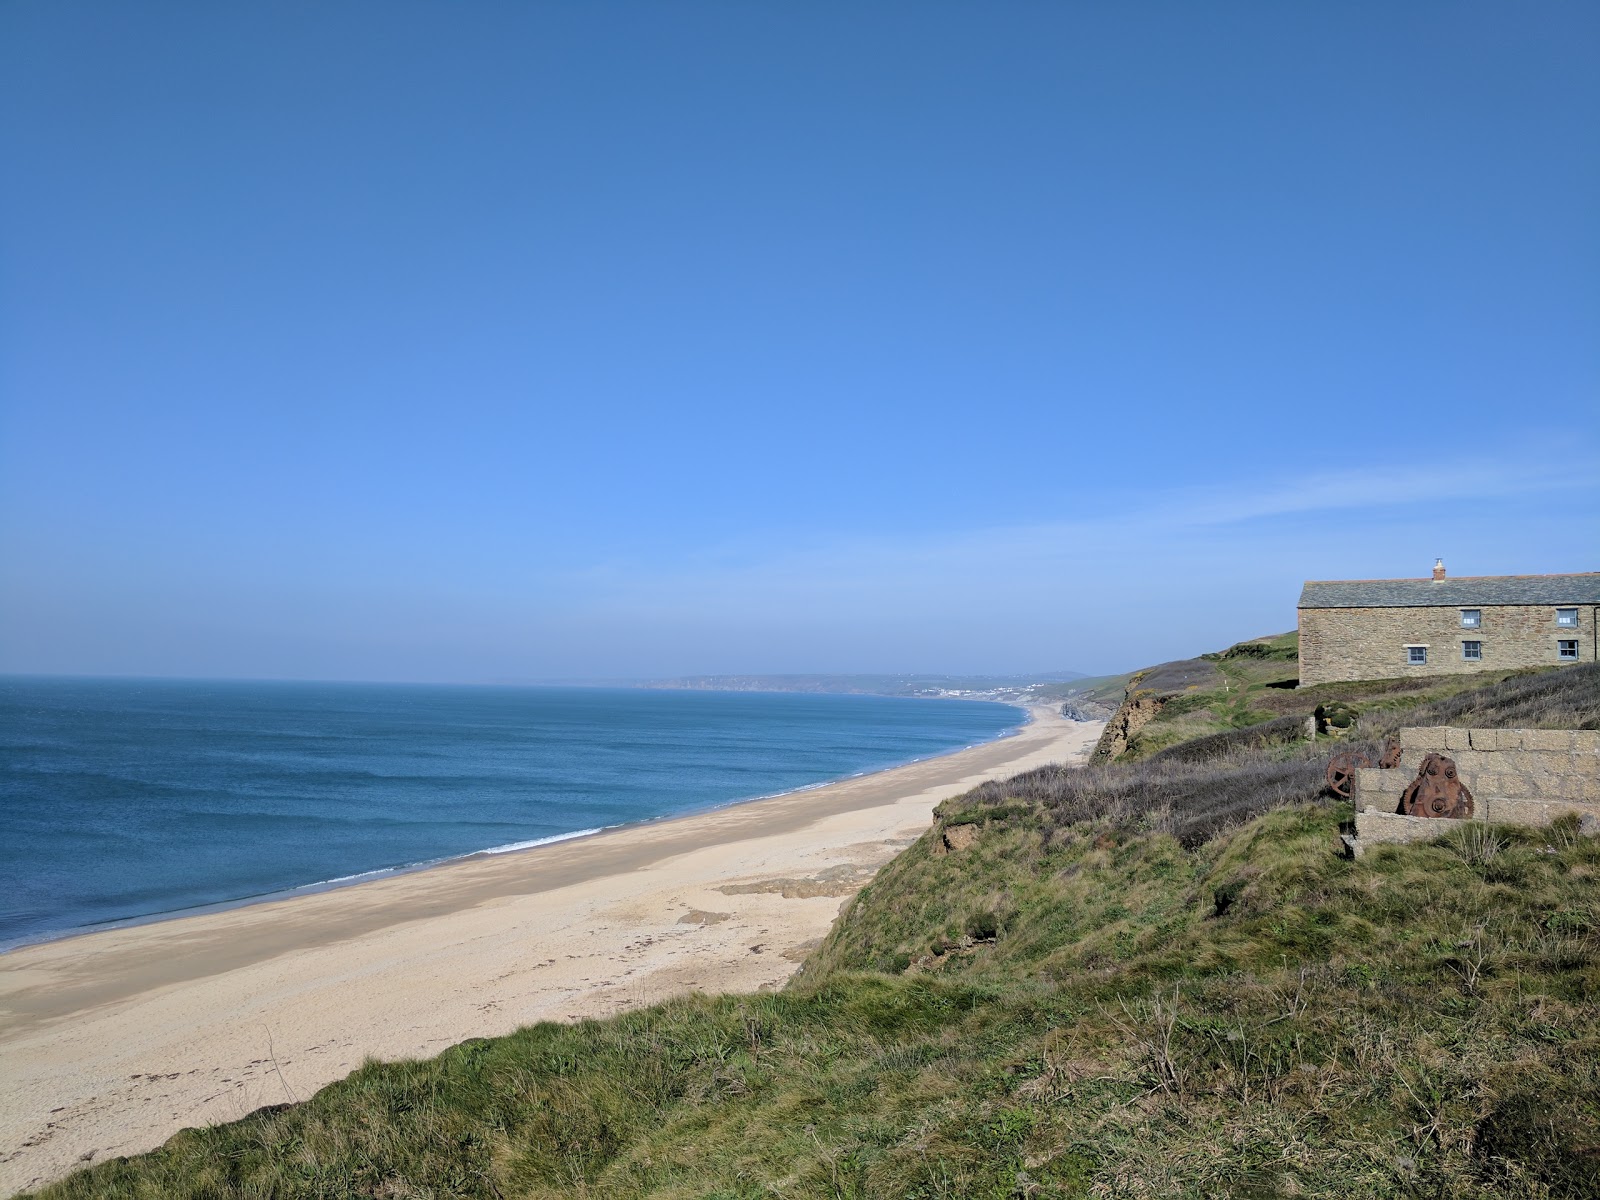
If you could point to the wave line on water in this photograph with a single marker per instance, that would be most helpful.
(544, 841)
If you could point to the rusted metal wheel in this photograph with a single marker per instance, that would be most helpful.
(1342, 772)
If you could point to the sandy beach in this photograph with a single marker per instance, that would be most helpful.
(113, 1041)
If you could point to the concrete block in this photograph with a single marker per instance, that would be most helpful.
(1374, 829)
(1424, 738)
(1555, 762)
(1536, 812)
(1575, 788)
(1581, 791)
(1585, 741)
(1514, 785)
(1380, 789)
(1375, 788)
(1550, 740)
(1503, 811)
(1496, 739)
(1531, 762)
(1561, 785)
(1457, 739)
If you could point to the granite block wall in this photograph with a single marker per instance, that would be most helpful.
(1371, 643)
(1516, 776)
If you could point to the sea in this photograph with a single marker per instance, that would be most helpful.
(130, 800)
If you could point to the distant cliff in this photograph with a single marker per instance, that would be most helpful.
(1087, 710)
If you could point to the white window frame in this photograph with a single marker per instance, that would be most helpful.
(1476, 646)
(1412, 660)
(1561, 618)
(1561, 654)
(1477, 618)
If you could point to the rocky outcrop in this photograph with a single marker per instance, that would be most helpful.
(1147, 693)
(1134, 714)
(1086, 710)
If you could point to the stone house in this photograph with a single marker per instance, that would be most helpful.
(1387, 628)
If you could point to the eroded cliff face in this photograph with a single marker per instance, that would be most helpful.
(1131, 716)
(1087, 710)
(1146, 695)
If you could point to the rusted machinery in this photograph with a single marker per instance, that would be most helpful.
(1436, 791)
(1342, 767)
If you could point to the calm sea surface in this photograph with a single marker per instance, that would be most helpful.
(124, 799)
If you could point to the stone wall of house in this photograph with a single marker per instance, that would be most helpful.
(1516, 776)
(1370, 643)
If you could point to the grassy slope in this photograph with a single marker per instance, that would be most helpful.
(1098, 997)
(1257, 686)
(1103, 689)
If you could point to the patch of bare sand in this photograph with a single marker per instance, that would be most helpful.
(112, 1042)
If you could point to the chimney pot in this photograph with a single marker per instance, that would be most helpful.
(1438, 569)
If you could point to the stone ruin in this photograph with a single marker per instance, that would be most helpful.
(1445, 776)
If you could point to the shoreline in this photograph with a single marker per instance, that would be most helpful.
(361, 878)
(113, 1040)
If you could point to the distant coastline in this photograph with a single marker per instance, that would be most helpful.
(1041, 687)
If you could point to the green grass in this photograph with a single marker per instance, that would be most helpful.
(1087, 1001)
(1257, 687)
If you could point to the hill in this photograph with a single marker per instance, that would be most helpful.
(1250, 685)
(1144, 978)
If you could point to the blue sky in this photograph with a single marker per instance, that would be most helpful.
(518, 341)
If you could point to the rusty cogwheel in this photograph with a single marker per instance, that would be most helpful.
(1342, 772)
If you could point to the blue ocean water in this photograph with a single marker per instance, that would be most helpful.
(125, 799)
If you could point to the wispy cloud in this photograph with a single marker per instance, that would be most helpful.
(1153, 572)
(1170, 525)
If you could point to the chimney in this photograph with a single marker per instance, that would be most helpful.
(1438, 569)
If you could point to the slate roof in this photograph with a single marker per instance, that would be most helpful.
(1482, 591)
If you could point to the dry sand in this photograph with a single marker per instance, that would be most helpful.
(113, 1041)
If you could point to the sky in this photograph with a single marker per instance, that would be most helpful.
(525, 341)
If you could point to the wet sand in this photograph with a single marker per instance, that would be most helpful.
(113, 1041)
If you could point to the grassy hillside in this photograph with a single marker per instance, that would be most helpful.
(1101, 689)
(1153, 979)
(1254, 682)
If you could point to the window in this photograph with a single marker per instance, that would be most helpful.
(1416, 655)
(1567, 649)
(1471, 618)
(1472, 651)
(1567, 617)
